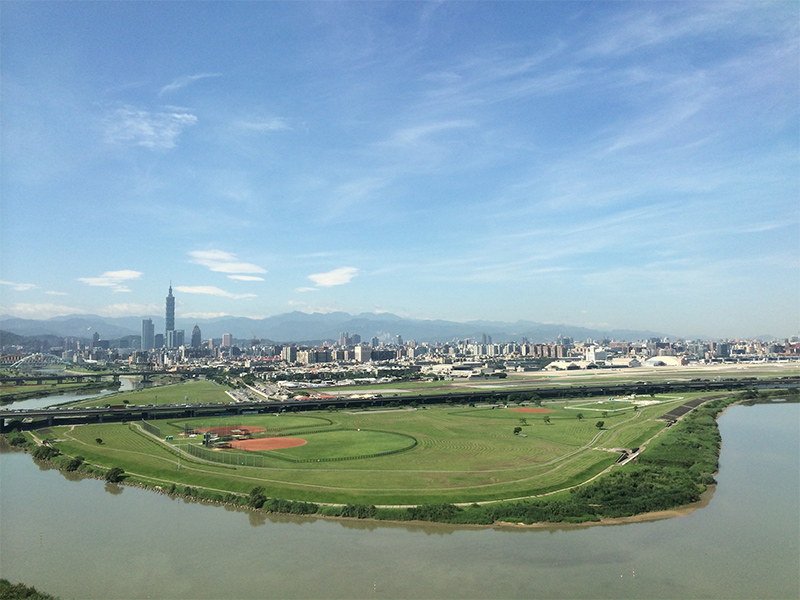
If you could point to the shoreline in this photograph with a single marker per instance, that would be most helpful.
(659, 515)
(159, 487)
(42, 393)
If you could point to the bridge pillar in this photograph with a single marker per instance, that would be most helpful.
(60, 380)
(50, 420)
(79, 379)
(39, 381)
(146, 378)
(99, 418)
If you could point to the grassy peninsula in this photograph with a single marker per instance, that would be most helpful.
(515, 463)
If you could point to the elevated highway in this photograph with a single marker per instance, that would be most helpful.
(78, 377)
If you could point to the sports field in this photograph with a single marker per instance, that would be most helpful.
(431, 455)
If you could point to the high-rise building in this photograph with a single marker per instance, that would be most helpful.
(363, 353)
(227, 340)
(196, 337)
(148, 334)
(175, 338)
(289, 354)
(170, 315)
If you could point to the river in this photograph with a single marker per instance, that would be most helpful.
(127, 384)
(87, 539)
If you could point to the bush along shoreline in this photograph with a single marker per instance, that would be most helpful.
(673, 471)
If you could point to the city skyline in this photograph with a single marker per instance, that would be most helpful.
(602, 165)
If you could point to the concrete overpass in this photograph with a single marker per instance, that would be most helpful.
(80, 377)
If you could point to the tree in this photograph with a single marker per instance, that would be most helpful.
(600, 424)
(546, 420)
(74, 463)
(115, 474)
(517, 430)
(98, 440)
(580, 416)
(256, 498)
(523, 422)
(20, 590)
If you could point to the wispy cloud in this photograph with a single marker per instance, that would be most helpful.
(112, 279)
(266, 125)
(338, 276)
(129, 309)
(54, 293)
(210, 290)
(411, 136)
(43, 310)
(635, 30)
(311, 308)
(306, 289)
(138, 127)
(204, 315)
(221, 261)
(245, 277)
(19, 287)
(182, 82)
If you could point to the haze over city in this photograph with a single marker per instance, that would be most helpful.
(605, 165)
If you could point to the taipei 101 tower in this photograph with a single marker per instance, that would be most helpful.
(170, 314)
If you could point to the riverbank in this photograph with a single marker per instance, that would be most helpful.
(239, 502)
(9, 397)
(665, 482)
(669, 478)
(656, 515)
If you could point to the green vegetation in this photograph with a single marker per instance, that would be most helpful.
(459, 454)
(190, 392)
(115, 475)
(463, 456)
(18, 591)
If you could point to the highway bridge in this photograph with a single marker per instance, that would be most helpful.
(48, 417)
(78, 377)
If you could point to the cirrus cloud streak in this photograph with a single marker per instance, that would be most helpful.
(221, 261)
(210, 290)
(112, 279)
(338, 276)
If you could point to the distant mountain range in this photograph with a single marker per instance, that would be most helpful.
(301, 327)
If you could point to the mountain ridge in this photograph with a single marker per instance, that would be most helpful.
(298, 327)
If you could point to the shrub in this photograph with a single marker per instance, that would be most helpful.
(115, 474)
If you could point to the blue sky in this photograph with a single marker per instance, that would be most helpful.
(612, 165)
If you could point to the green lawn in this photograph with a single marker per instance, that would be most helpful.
(190, 392)
(462, 454)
